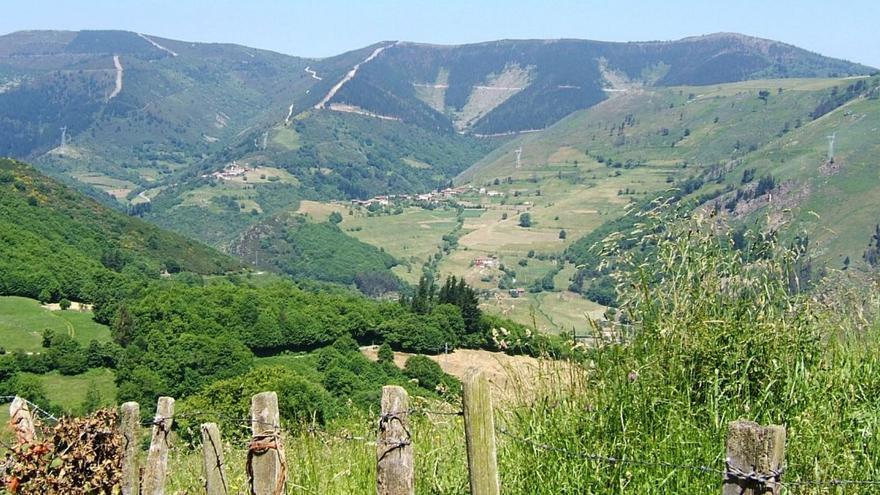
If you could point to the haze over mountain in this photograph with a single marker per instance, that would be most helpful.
(144, 118)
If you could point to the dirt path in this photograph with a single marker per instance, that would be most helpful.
(157, 45)
(289, 114)
(349, 76)
(313, 74)
(119, 70)
(341, 107)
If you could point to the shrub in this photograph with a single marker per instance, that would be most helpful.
(427, 372)
(386, 355)
(64, 304)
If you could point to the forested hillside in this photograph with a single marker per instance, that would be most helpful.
(59, 244)
(292, 245)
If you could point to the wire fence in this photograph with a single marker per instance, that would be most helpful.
(726, 473)
(721, 472)
(37, 409)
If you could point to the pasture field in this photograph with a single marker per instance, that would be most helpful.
(412, 236)
(549, 312)
(69, 392)
(23, 320)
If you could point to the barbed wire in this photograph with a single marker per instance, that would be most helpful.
(728, 473)
(774, 476)
(608, 459)
(37, 409)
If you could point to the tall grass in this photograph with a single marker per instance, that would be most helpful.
(719, 334)
(713, 334)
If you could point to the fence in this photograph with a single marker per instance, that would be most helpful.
(755, 454)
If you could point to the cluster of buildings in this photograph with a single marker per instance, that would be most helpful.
(229, 172)
(490, 193)
(431, 197)
(487, 262)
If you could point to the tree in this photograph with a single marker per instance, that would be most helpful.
(64, 303)
(93, 399)
(563, 234)
(172, 266)
(872, 254)
(763, 95)
(525, 220)
(335, 217)
(386, 355)
(29, 387)
(427, 372)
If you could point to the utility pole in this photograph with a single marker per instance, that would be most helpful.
(831, 139)
(518, 152)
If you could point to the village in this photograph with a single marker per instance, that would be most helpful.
(229, 172)
(437, 196)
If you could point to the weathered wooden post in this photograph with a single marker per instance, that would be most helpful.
(394, 449)
(129, 427)
(157, 458)
(212, 460)
(479, 428)
(266, 464)
(755, 459)
(22, 420)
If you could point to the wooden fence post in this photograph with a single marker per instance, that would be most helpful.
(755, 457)
(22, 420)
(266, 464)
(212, 457)
(479, 428)
(394, 450)
(130, 427)
(157, 458)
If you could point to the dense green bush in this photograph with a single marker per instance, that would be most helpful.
(299, 401)
(427, 372)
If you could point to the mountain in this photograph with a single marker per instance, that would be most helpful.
(208, 139)
(516, 85)
(59, 244)
(756, 152)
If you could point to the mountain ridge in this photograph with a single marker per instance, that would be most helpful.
(148, 119)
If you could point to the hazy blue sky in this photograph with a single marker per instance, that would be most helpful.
(319, 28)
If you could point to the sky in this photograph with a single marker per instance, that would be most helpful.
(849, 30)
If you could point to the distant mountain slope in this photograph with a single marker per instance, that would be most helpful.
(835, 201)
(57, 243)
(147, 123)
(516, 85)
(745, 150)
(291, 244)
(137, 109)
(176, 102)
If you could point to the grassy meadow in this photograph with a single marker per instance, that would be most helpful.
(707, 352)
(23, 320)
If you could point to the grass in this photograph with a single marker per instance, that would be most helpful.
(837, 204)
(69, 392)
(411, 237)
(23, 320)
(664, 399)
